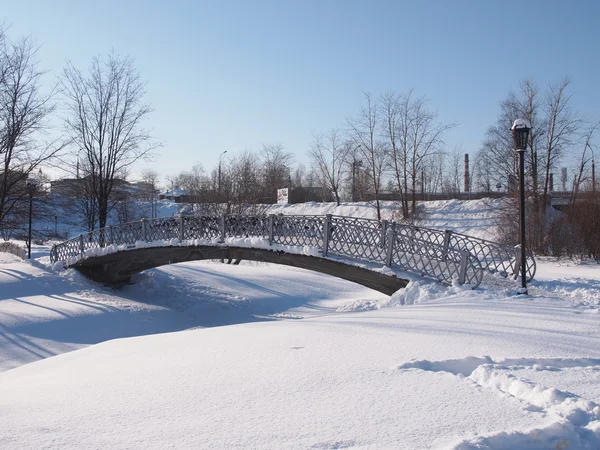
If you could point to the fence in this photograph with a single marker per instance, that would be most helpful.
(9, 247)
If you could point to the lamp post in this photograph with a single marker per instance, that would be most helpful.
(77, 170)
(31, 186)
(593, 176)
(355, 164)
(219, 182)
(520, 132)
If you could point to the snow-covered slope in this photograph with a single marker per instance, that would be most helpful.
(474, 217)
(296, 367)
(208, 355)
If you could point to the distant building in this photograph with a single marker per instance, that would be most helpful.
(175, 195)
(71, 187)
(304, 194)
(67, 187)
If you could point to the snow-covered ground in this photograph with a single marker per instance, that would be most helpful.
(208, 355)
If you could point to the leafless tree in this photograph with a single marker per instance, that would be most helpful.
(329, 154)
(482, 173)
(561, 128)
(395, 129)
(425, 139)
(246, 184)
(24, 110)
(586, 157)
(454, 171)
(364, 132)
(106, 111)
(276, 170)
(555, 127)
(414, 135)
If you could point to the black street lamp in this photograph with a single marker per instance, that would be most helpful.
(219, 182)
(355, 164)
(31, 187)
(593, 176)
(520, 131)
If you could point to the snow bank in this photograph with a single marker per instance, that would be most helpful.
(575, 420)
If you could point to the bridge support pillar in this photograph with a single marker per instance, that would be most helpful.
(271, 228)
(382, 238)
(144, 230)
(447, 236)
(462, 274)
(326, 233)
(223, 217)
(389, 253)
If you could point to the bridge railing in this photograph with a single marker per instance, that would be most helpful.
(443, 255)
(496, 258)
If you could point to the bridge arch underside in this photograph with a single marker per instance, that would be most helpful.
(118, 267)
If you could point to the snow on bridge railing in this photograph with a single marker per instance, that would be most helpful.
(443, 255)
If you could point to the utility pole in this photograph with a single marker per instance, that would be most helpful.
(219, 182)
(593, 176)
(467, 176)
(355, 164)
(31, 187)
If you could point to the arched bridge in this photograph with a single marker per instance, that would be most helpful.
(368, 252)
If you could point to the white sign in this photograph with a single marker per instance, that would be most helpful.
(282, 196)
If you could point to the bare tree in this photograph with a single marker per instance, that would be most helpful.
(150, 179)
(23, 113)
(555, 128)
(415, 135)
(562, 126)
(482, 174)
(395, 128)
(586, 158)
(276, 170)
(105, 119)
(454, 172)
(364, 129)
(246, 184)
(425, 139)
(328, 154)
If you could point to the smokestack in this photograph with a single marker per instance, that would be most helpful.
(551, 182)
(467, 176)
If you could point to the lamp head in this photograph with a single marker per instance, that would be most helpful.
(520, 131)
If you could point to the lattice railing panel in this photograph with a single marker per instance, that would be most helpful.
(298, 230)
(66, 250)
(495, 257)
(128, 233)
(202, 227)
(424, 234)
(357, 238)
(162, 229)
(433, 260)
(246, 226)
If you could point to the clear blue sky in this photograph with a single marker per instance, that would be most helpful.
(230, 75)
